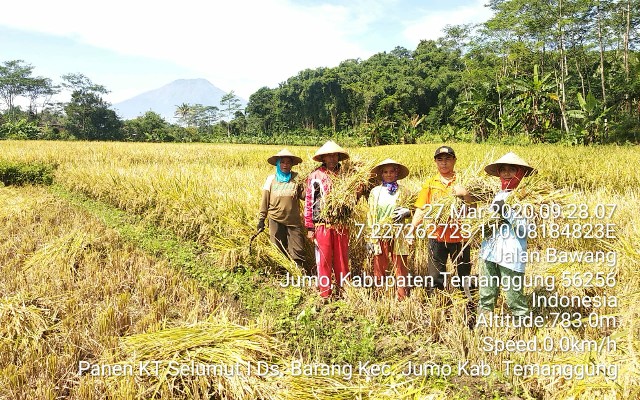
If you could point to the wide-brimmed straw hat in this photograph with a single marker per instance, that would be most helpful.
(403, 171)
(511, 159)
(330, 147)
(284, 153)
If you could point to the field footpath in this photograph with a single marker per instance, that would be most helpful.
(249, 288)
(156, 241)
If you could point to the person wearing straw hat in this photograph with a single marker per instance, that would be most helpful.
(281, 195)
(332, 241)
(444, 241)
(502, 253)
(384, 210)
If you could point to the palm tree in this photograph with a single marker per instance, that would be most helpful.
(183, 113)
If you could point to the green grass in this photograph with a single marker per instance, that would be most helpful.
(252, 287)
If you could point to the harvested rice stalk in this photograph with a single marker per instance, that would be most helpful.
(316, 386)
(211, 341)
(221, 351)
(535, 190)
(531, 198)
(274, 253)
(409, 200)
(481, 188)
(23, 319)
(354, 178)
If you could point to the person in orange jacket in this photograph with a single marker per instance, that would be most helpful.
(447, 240)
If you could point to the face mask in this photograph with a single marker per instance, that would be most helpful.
(510, 184)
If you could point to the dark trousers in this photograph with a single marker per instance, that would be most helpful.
(439, 252)
(289, 240)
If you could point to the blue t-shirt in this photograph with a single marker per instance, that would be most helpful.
(507, 246)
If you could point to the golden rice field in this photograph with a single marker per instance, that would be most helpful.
(133, 272)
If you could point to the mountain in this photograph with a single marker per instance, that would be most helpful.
(165, 99)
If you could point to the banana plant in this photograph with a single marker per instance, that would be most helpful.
(592, 115)
(533, 102)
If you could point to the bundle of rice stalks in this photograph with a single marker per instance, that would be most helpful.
(535, 198)
(481, 188)
(24, 320)
(354, 383)
(283, 260)
(408, 198)
(221, 352)
(317, 386)
(354, 179)
(64, 254)
(535, 190)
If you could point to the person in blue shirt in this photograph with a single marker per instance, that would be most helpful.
(503, 252)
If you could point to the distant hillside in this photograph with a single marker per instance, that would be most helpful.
(164, 100)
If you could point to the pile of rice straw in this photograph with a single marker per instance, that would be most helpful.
(24, 320)
(216, 342)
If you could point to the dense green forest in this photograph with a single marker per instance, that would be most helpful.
(537, 71)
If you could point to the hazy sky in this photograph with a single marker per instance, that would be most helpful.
(134, 46)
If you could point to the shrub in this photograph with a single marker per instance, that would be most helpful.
(22, 173)
(20, 130)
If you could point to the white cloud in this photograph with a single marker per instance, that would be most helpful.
(430, 26)
(240, 45)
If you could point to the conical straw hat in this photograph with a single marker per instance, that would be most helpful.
(403, 171)
(512, 159)
(330, 147)
(284, 153)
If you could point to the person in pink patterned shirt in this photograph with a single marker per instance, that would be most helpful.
(331, 241)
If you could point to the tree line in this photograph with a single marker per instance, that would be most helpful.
(537, 71)
(87, 116)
